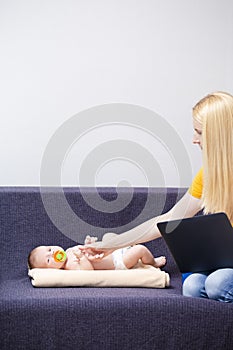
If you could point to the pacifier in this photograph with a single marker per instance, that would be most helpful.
(59, 256)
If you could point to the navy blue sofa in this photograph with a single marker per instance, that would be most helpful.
(96, 318)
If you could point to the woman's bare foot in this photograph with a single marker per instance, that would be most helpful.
(160, 261)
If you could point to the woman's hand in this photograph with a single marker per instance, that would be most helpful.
(94, 254)
(91, 252)
(94, 257)
(95, 250)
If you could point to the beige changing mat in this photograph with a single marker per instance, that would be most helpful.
(140, 276)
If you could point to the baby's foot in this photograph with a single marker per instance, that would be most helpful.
(160, 261)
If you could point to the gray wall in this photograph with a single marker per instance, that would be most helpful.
(59, 58)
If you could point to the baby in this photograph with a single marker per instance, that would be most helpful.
(75, 259)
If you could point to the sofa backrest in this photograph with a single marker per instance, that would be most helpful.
(25, 221)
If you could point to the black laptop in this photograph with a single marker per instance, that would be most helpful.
(200, 243)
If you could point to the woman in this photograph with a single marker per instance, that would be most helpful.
(213, 132)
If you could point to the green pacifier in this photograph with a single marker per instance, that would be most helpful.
(60, 256)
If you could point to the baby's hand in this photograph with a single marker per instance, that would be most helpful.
(77, 253)
(89, 254)
(94, 254)
(94, 258)
(90, 240)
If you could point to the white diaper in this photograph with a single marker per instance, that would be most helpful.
(117, 257)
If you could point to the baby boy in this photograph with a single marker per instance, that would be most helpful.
(75, 259)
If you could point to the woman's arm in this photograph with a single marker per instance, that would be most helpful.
(187, 206)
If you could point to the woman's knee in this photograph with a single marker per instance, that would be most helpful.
(219, 285)
(193, 285)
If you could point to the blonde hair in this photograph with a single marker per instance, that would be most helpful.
(215, 113)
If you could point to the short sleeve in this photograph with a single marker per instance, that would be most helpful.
(196, 187)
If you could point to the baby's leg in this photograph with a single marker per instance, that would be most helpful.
(132, 256)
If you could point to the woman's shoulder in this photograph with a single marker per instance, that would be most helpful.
(196, 187)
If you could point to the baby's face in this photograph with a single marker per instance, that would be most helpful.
(43, 257)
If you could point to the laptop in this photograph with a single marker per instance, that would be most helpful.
(200, 243)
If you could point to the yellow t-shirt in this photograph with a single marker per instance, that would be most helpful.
(196, 187)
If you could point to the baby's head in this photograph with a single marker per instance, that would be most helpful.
(43, 257)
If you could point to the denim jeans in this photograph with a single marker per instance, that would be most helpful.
(217, 285)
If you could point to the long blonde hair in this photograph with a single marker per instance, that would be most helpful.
(215, 113)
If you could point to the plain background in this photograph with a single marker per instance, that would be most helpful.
(61, 57)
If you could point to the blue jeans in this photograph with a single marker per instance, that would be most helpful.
(217, 285)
